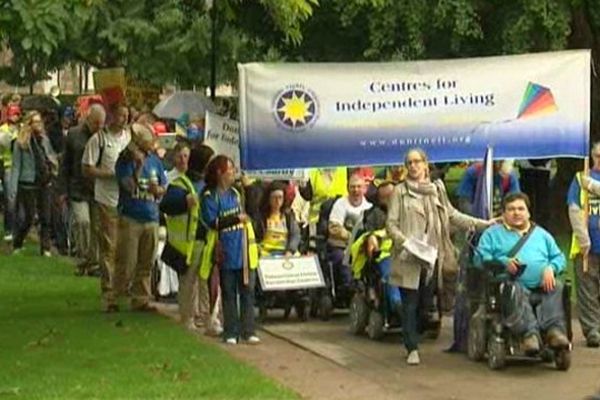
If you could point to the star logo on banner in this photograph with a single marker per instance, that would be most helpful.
(295, 108)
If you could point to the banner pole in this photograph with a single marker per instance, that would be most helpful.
(586, 211)
(490, 181)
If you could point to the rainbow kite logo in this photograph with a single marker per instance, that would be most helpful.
(537, 101)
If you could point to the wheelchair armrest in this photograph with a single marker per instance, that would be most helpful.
(497, 269)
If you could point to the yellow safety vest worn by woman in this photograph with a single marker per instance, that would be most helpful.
(276, 237)
(208, 255)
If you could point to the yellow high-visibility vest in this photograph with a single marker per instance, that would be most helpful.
(359, 256)
(323, 190)
(6, 154)
(181, 229)
(583, 194)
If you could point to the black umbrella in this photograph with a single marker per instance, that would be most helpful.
(39, 103)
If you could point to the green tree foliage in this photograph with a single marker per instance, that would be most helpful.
(34, 31)
(156, 40)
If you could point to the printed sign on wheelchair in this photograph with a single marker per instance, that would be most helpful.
(290, 273)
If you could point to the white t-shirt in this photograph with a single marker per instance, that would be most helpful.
(172, 175)
(106, 190)
(345, 214)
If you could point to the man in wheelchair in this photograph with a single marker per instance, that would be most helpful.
(533, 308)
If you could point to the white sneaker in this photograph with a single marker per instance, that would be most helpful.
(231, 341)
(413, 358)
(253, 340)
(47, 253)
(17, 251)
(8, 238)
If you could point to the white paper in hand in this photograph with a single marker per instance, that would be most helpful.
(422, 250)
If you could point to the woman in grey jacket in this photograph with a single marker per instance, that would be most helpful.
(34, 167)
(419, 219)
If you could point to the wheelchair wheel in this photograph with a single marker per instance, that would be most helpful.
(476, 341)
(547, 355)
(359, 314)
(287, 311)
(496, 354)
(375, 325)
(303, 310)
(314, 304)
(562, 358)
(325, 307)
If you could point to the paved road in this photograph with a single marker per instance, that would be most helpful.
(441, 376)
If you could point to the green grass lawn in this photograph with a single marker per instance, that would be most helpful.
(55, 343)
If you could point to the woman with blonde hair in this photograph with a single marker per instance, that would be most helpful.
(419, 220)
(34, 167)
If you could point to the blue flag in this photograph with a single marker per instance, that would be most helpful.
(482, 204)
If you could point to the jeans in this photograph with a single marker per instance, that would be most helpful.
(242, 323)
(549, 312)
(588, 294)
(341, 272)
(416, 305)
(85, 228)
(393, 297)
(9, 205)
(33, 199)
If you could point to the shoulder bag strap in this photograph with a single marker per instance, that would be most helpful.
(519, 245)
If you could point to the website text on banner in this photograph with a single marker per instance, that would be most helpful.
(310, 115)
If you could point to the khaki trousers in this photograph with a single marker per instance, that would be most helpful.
(136, 249)
(108, 221)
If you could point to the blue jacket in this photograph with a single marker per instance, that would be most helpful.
(468, 183)
(540, 251)
(220, 211)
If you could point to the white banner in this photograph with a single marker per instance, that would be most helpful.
(281, 273)
(279, 174)
(303, 115)
(223, 136)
